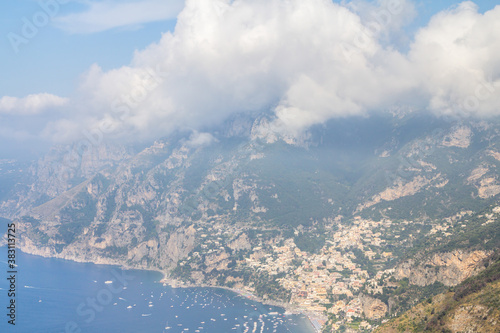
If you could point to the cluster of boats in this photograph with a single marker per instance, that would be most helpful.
(209, 311)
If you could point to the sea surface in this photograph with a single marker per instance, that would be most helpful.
(55, 295)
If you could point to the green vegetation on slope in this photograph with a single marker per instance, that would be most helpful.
(473, 305)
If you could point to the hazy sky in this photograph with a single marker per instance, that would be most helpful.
(140, 69)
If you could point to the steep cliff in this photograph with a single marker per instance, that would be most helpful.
(447, 268)
(472, 306)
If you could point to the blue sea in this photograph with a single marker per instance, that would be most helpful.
(55, 296)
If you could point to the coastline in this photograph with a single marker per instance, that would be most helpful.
(103, 273)
(174, 283)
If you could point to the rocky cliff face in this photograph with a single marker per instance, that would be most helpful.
(373, 308)
(448, 268)
(470, 318)
(241, 170)
(138, 206)
(471, 307)
(113, 247)
(63, 168)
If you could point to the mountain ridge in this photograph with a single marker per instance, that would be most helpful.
(352, 205)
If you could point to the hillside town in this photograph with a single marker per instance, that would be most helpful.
(331, 286)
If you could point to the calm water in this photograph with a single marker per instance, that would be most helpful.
(55, 295)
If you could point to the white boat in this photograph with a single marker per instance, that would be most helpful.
(108, 282)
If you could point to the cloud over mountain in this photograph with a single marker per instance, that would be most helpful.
(306, 61)
(457, 57)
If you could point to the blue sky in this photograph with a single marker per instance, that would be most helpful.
(145, 68)
(53, 60)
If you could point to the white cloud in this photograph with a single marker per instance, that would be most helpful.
(198, 139)
(307, 61)
(458, 58)
(30, 105)
(384, 18)
(109, 14)
(237, 56)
